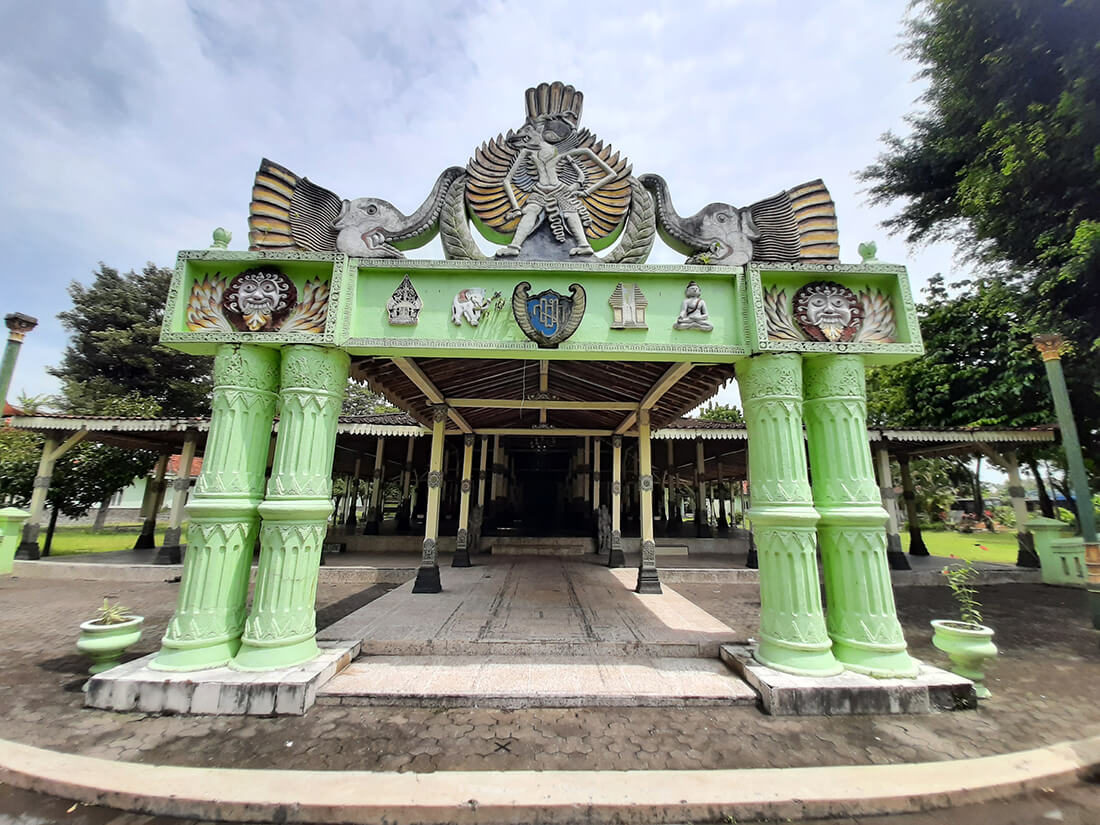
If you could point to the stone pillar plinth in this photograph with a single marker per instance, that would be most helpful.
(206, 628)
(281, 627)
(862, 620)
(648, 581)
(793, 638)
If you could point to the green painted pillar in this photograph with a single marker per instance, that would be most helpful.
(792, 625)
(1051, 348)
(206, 628)
(18, 326)
(862, 621)
(281, 628)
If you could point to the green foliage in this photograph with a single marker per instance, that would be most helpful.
(1004, 159)
(932, 486)
(114, 349)
(115, 613)
(361, 400)
(1005, 515)
(960, 578)
(19, 453)
(722, 412)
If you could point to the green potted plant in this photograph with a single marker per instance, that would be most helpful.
(967, 642)
(105, 637)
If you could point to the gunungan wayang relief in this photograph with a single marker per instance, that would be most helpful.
(262, 299)
(547, 190)
(403, 307)
(830, 313)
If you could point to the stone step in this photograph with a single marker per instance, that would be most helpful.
(530, 546)
(548, 645)
(546, 681)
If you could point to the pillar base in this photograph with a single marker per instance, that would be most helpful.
(917, 547)
(615, 554)
(877, 663)
(146, 539)
(798, 661)
(648, 581)
(252, 657)
(895, 556)
(169, 554)
(177, 659)
(28, 551)
(461, 558)
(752, 560)
(370, 528)
(1026, 555)
(427, 580)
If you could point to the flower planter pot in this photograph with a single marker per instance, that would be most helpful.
(969, 646)
(105, 643)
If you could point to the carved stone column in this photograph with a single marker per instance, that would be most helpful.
(427, 576)
(648, 581)
(895, 556)
(281, 628)
(1025, 542)
(147, 538)
(462, 551)
(917, 546)
(210, 613)
(374, 511)
(792, 625)
(170, 552)
(615, 557)
(862, 620)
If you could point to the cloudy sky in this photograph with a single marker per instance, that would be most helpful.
(133, 128)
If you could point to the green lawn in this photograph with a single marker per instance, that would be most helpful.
(980, 545)
(71, 541)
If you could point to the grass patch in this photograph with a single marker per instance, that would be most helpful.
(980, 545)
(73, 541)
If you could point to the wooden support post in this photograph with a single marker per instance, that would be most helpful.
(170, 551)
(404, 509)
(648, 580)
(702, 528)
(1025, 542)
(352, 519)
(596, 446)
(146, 539)
(51, 451)
(894, 554)
(462, 552)
(483, 459)
(374, 511)
(427, 576)
(615, 557)
(917, 546)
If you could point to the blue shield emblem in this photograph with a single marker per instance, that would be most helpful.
(549, 317)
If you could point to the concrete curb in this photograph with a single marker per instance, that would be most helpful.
(482, 797)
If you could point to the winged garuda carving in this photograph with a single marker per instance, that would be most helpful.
(289, 212)
(549, 171)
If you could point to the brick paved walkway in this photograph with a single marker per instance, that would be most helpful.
(1045, 685)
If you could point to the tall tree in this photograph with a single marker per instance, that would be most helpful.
(1004, 159)
(722, 412)
(114, 349)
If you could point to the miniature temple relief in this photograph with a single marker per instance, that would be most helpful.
(262, 299)
(628, 305)
(830, 312)
(404, 305)
(693, 311)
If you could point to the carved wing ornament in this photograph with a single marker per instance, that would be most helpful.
(828, 312)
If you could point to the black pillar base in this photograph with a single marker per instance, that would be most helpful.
(895, 557)
(917, 547)
(752, 561)
(615, 555)
(28, 551)
(1026, 555)
(427, 580)
(648, 581)
(169, 554)
(146, 539)
(351, 522)
(461, 558)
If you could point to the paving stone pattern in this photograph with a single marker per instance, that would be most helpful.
(1045, 685)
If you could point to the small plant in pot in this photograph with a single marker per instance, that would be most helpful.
(967, 642)
(105, 637)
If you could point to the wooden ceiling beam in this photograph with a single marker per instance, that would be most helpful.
(656, 392)
(415, 374)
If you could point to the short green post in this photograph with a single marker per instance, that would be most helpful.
(12, 520)
(1051, 347)
(206, 628)
(793, 638)
(281, 628)
(862, 619)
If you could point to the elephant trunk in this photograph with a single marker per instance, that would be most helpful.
(676, 231)
(424, 221)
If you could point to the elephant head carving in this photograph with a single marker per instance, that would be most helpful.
(719, 233)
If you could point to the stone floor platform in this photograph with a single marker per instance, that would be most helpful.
(133, 686)
(534, 605)
(517, 682)
(783, 694)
